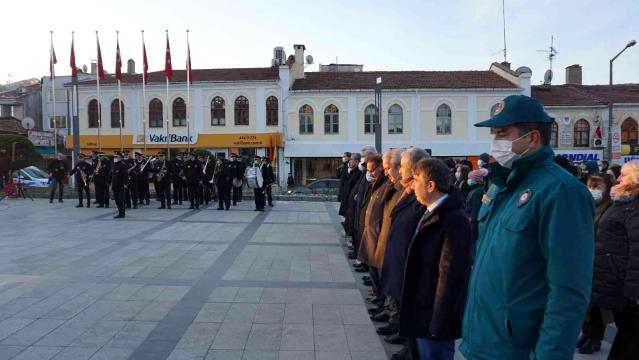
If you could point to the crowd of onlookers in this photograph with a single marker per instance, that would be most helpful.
(413, 223)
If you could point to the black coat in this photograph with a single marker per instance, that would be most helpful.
(437, 273)
(616, 273)
(267, 174)
(362, 196)
(342, 175)
(193, 171)
(58, 169)
(351, 179)
(404, 218)
(119, 176)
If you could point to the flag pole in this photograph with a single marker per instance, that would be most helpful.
(168, 142)
(55, 123)
(143, 93)
(97, 77)
(117, 35)
(188, 93)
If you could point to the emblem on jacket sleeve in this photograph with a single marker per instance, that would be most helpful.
(524, 197)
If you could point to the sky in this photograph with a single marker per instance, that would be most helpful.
(436, 35)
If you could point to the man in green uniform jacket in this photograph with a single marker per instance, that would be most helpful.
(532, 276)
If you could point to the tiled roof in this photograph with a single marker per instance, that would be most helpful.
(239, 74)
(584, 95)
(11, 125)
(403, 80)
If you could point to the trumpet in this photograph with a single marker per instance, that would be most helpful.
(98, 166)
(216, 173)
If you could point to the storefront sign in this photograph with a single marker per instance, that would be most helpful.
(625, 159)
(616, 143)
(41, 138)
(159, 138)
(581, 155)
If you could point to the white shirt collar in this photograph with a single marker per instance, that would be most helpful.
(436, 204)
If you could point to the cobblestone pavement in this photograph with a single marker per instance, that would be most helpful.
(180, 284)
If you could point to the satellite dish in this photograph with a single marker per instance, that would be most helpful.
(523, 70)
(85, 68)
(309, 59)
(28, 123)
(547, 77)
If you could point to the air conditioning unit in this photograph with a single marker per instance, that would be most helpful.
(279, 56)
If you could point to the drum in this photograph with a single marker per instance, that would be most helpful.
(237, 182)
(253, 177)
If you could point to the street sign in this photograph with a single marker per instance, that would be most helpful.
(41, 138)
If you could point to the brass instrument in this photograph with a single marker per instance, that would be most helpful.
(131, 168)
(205, 165)
(162, 173)
(216, 174)
(146, 163)
(182, 175)
(98, 167)
(83, 176)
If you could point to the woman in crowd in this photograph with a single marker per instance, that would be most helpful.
(461, 179)
(616, 275)
(595, 323)
(473, 200)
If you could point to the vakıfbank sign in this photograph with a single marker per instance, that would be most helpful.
(159, 138)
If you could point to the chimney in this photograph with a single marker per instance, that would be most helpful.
(573, 74)
(130, 67)
(297, 69)
(94, 68)
(505, 64)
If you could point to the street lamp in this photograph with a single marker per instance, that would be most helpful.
(610, 101)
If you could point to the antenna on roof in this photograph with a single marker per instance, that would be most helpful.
(552, 53)
(503, 15)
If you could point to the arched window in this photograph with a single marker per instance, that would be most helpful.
(444, 120)
(94, 117)
(306, 119)
(581, 133)
(115, 113)
(241, 111)
(331, 120)
(369, 119)
(395, 120)
(156, 113)
(179, 112)
(271, 111)
(218, 112)
(554, 135)
(629, 132)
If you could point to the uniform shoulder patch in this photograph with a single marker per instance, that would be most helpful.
(524, 197)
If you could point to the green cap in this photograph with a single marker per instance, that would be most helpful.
(517, 109)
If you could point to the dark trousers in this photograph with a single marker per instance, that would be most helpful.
(375, 276)
(55, 183)
(194, 189)
(178, 190)
(82, 190)
(142, 186)
(156, 186)
(269, 195)
(102, 193)
(164, 192)
(237, 194)
(206, 192)
(626, 344)
(118, 195)
(593, 327)
(259, 198)
(131, 193)
(223, 199)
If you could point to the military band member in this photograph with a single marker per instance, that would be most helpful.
(269, 179)
(222, 179)
(163, 170)
(142, 181)
(237, 173)
(119, 183)
(179, 186)
(131, 193)
(82, 171)
(206, 175)
(193, 174)
(259, 190)
(101, 178)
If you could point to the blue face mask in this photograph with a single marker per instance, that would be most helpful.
(470, 182)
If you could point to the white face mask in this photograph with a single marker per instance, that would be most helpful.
(344, 159)
(596, 194)
(457, 175)
(369, 176)
(116, 160)
(361, 165)
(502, 151)
(480, 163)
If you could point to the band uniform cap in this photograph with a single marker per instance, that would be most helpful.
(161, 153)
(516, 109)
(81, 154)
(138, 154)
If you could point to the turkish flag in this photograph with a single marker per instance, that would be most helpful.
(74, 69)
(168, 69)
(118, 62)
(52, 61)
(101, 75)
(145, 64)
(189, 69)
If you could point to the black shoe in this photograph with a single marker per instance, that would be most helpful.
(88, 205)
(356, 265)
(375, 311)
(388, 329)
(175, 203)
(582, 341)
(191, 207)
(128, 206)
(261, 210)
(100, 206)
(395, 339)
(362, 269)
(50, 201)
(234, 204)
(147, 202)
(227, 209)
(106, 206)
(352, 256)
(590, 347)
(118, 217)
(79, 205)
(198, 208)
(403, 354)
(367, 282)
(180, 203)
(60, 201)
(271, 205)
(381, 317)
(162, 207)
(135, 206)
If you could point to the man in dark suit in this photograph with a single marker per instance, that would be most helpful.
(131, 193)
(193, 172)
(223, 181)
(179, 187)
(236, 168)
(269, 179)
(259, 189)
(101, 177)
(163, 170)
(57, 170)
(119, 183)
(82, 172)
